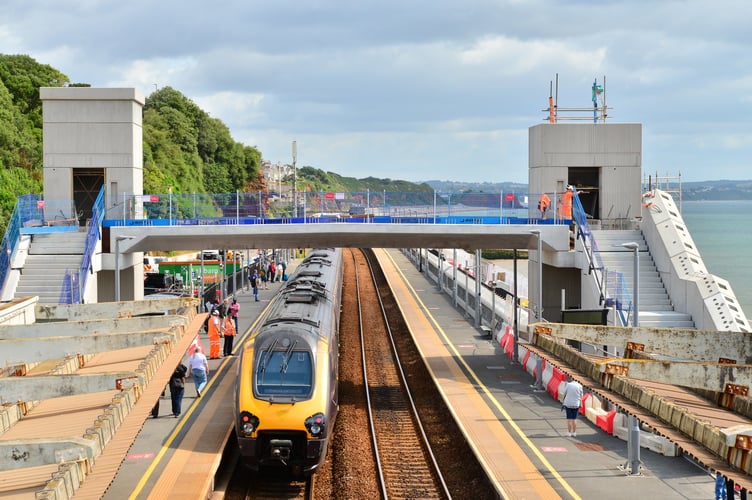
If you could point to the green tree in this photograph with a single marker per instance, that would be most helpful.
(21, 127)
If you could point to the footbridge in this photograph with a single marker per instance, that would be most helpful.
(365, 235)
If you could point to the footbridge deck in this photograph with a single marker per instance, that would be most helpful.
(366, 235)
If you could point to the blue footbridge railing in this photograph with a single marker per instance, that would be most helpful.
(328, 207)
(611, 284)
(74, 285)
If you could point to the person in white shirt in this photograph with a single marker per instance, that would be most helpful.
(571, 403)
(199, 370)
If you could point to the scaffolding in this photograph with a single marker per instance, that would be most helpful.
(599, 109)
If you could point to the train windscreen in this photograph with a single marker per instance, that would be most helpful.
(284, 373)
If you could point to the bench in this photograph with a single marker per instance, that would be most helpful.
(486, 331)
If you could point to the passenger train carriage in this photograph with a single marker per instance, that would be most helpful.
(286, 397)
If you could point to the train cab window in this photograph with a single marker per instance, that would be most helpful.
(284, 373)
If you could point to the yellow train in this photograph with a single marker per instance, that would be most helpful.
(286, 397)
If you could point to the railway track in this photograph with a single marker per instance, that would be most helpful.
(350, 470)
(405, 462)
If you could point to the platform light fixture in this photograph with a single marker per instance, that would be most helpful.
(634, 247)
(539, 299)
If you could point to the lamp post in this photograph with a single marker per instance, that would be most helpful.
(118, 239)
(294, 179)
(634, 247)
(494, 284)
(539, 308)
(633, 436)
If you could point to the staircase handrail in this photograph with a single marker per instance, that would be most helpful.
(75, 285)
(93, 235)
(590, 246)
(10, 243)
(621, 296)
(597, 269)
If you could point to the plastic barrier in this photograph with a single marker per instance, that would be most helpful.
(530, 362)
(554, 385)
(548, 372)
(585, 401)
(507, 342)
(606, 422)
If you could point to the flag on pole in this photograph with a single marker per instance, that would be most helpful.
(192, 348)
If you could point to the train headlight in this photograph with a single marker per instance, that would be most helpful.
(316, 425)
(248, 423)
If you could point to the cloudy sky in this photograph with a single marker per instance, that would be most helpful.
(420, 90)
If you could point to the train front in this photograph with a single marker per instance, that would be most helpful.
(285, 398)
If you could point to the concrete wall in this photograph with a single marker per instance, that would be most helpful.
(92, 128)
(96, 128)
(613, 148)
(692, 289)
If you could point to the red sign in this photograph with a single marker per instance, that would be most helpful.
(329, 196)
(40, 203)
(509, 197)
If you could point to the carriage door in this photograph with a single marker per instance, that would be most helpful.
(86, 185)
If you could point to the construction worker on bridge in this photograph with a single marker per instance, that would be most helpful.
(565, 203)
(543, 203)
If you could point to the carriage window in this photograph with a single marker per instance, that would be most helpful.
(281, 374)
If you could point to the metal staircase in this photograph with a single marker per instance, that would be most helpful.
(655, 307)
(50, 255)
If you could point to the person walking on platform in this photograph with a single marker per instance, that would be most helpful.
(229, 331)
(571, 404)
(234, 312)
(199, 370)
(278, 272)
(271, 272)
(177, 389)
(215, 332)
(254, 285)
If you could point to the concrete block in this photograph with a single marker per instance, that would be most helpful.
(677, 238)
(722, 310)
(622, 433)
(658, 444)
(620, 423)
(739, 436)
(688, 265)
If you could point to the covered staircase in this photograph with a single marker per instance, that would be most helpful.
(655, 307)
(50, 255)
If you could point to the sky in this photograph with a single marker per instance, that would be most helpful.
(417, 90)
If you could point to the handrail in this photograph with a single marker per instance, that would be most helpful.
(597, 269)
(94, 234)
(584, 233)
(10, 242)
(75, 282)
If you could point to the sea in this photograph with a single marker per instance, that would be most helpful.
(722, 232)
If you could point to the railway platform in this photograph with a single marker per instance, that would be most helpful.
(519, 433)
(192, 444)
